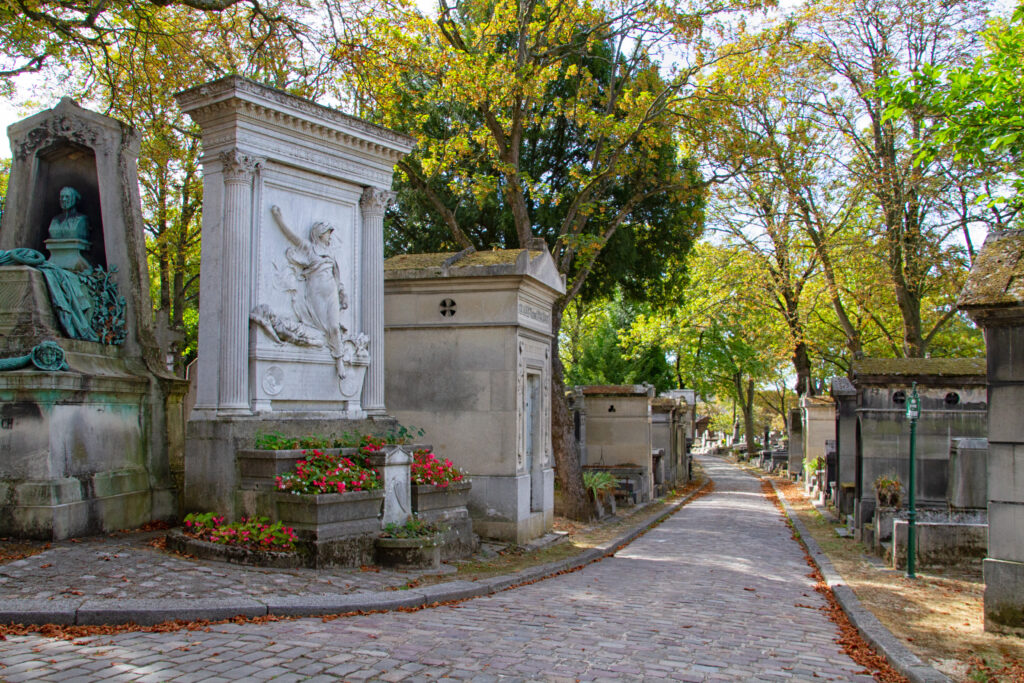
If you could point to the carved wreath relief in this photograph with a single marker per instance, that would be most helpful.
(312, 280)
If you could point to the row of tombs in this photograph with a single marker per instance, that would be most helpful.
(304, 330)
(852, 450)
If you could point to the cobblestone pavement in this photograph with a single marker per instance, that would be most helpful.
(718, 592)
(125, 567)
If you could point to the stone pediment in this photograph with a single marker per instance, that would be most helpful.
(302, 116)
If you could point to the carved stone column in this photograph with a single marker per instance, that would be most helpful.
(372, 204)
(238, 170)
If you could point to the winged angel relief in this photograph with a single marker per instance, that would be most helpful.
(312, 281)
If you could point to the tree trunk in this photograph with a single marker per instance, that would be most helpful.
(565, 449)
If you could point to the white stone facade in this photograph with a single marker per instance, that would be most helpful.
(291, 300)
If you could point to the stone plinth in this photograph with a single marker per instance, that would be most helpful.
(795, 425)
(469, 360)
(994, 298)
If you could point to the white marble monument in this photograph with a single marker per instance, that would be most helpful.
(291, 304)
(291, 301)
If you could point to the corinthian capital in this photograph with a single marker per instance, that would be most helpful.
(375, 200)
(237, 166)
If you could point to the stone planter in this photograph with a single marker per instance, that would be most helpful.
(334, 529)
(447, 506)
(409, 553)
(432, 499)
(259, 469)
(330, 515)
(182, 543)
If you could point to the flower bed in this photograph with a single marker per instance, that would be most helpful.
(251, 534)
(323, 472)
(254, 542)
(427, 470)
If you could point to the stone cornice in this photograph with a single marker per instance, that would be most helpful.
(234, 93)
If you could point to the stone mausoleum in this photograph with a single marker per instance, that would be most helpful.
(994, 298)
(468, 344)
(90, 419)
(953, 405)
(291, 327)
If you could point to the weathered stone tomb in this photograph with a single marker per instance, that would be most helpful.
(994, 298)
(90, 429)
(469, 361)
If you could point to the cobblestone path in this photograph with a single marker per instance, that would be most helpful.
(718, 592)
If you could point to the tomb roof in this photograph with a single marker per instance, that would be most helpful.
(905, 367)
(816, 400)
(997, 276)
(617, 390)
(664, 402)
(537, 264)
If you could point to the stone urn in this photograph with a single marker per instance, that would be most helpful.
(409, 553)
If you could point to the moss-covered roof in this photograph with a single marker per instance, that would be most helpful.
(616, 390)
(939, 367)
(997, 276)
(495, 257)
(664, 402)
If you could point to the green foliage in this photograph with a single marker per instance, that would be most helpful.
(598, 356)
(254, 533)
(277, 441)
(414, 527)
(599, 481)
(975, 108)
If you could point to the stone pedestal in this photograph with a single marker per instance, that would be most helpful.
(469, 361)
(994, 298)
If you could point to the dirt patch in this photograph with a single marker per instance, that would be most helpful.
(938, 615)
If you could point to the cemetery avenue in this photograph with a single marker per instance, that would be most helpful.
(719, 591)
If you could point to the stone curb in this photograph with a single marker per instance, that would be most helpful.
(870, 628)
(151, 612)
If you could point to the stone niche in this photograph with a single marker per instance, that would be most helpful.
(94, 446)
(291, 297)
(469, 360)
(619, 435)
(953, 405)
(994, 298)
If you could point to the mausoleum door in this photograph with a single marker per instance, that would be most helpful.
(533, 439)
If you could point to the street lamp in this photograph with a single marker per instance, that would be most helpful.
(913, 412)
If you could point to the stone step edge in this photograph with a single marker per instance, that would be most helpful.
(145, 612)
(866, 623)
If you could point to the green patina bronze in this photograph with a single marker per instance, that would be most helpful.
(87, 304)
(48, 357)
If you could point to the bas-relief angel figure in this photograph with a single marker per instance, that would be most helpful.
(319, 297)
